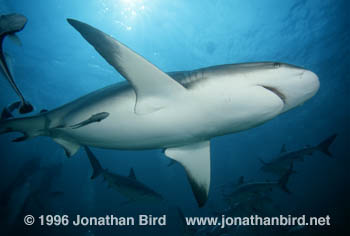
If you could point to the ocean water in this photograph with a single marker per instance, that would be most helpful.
(55, 65)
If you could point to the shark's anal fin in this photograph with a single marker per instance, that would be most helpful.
(195, 158)
(153, 87)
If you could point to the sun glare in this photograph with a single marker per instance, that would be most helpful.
(126, 11)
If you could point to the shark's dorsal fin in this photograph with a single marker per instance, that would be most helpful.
(283, 149)
(154, 88)
(132, 174)
(240, 180)
(195, 158)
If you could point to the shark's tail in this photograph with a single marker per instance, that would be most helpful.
(324, 145)
(95, 164)
(30, 127)
(283, 181)
(12, 23)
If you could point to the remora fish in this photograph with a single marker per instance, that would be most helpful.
(128, 186)
(94, 118)
(9, 25)
(178, 112)
(280, 164)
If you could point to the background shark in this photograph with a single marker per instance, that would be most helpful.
(9, 25)
(246, 191)
(178, 112)
(25, 173)
(281, 164)
(128, 186)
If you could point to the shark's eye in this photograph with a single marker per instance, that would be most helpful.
(276, 65)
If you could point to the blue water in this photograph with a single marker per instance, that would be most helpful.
(55, 65)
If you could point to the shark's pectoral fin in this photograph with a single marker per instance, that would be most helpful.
(153, 87)
(70, 147)
(195, 158)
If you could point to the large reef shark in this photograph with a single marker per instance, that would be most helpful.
(9, 25)
(179, 112)
(128, 186)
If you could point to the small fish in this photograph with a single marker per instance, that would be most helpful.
(9, 25)
(94, 118)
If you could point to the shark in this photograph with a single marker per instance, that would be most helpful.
(9, 25)
(279, 165)
(253, 190)
(25, 173)
(177, 112)
(128, 186)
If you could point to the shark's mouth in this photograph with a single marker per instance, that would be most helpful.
(277, 92)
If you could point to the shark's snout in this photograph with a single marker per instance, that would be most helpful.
(311, 82)
(300, 89)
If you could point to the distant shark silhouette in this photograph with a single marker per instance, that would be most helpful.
(280, 164)
(9, 25)
(128, 186)
(178, 112)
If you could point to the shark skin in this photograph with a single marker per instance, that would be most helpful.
(9, 25)
(178, 112)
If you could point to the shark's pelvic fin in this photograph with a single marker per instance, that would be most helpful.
(70, 147)
(195, 158)
(153, 87)
(132, 174)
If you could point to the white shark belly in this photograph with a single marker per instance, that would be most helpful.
(201, 115)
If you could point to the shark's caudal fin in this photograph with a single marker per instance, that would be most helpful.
(195, 158)
(11, 23)
(95, 164)
(34, 126)
(324, 145)
(283, 181)
(154, 88)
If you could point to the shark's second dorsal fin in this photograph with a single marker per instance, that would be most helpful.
(283, 149)
(132, 174)
(154, 88)
(240, 180)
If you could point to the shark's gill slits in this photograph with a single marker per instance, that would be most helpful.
(276, 91)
